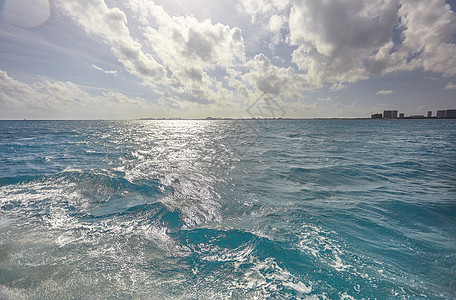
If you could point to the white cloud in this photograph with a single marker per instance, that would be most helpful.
(450, 86)
(337, 87)
(58, 99)
(188, 40)
(183, 52)
(350, 40)
(335, 38)
(97, 68)
(47, 99)
(260, 8)
(111, 25)
(271, 79)
(331, 43)
(276, 23)
(428, 30)
(189, 48)
(191, 51)
(114, 72)
(384, 92)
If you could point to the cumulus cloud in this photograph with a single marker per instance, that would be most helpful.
(276, 22)
(351, 40)
(257, 9)
(330, 43)
(385, 92)
(175, 52)
(271, 79)
(47, 99)
(190, 49)
(58, 99)
(450, 86)
(111, 25)
(429, 27)
(334, 38)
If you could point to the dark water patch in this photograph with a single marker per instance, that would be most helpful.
(331, 176)
(17, 179)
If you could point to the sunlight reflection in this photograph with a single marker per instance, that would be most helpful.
(25, 13)
(188, 157)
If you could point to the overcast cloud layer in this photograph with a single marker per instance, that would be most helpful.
(315, 58)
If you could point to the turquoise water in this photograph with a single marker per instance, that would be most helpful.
(279, 209)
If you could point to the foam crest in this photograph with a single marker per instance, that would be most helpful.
(325, 246)
(267, 277)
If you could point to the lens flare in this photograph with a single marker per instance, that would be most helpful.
(26, 13)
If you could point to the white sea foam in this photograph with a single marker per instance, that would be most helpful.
(325, 246)
(268, 277)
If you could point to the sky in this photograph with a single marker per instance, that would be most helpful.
(111, 59)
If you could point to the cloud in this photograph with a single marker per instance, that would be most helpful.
(271, 79)
(450, 86)
(276, 22)
(183, 53)
(427, 29)
(189, 48)
(257, 9)
(97, 68)
(111, 25)
(47, 99)
(114, 72)
(324, 43)
(175, 54)
(335, 38)
(337, 87)
(385, 92)
(351, 40)
(57, 99)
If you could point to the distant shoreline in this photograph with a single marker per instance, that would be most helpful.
(229, 119)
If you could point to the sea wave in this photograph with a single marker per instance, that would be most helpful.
(278, 209)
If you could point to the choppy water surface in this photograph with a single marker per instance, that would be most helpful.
(318, 209)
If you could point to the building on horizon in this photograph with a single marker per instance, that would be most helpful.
(446, 114)
(451, 113)
(376, 116)
(390, 114)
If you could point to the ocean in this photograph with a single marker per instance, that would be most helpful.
(228, 209)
